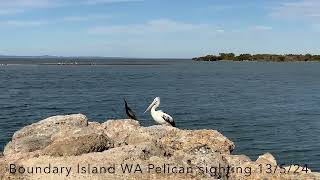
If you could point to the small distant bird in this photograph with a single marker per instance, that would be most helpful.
(159, 116)
(129, 111)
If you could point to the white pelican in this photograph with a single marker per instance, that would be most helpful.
(159, 116)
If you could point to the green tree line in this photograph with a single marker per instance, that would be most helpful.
(258, 57)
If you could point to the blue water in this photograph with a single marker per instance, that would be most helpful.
(262, 107)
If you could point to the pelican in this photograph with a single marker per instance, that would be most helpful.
(129, 111)
(159, 116)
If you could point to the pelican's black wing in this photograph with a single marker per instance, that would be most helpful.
(169, 120)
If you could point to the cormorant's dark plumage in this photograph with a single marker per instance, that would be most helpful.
(129, 111)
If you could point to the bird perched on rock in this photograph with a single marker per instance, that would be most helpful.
(129, 111)
(159, 116)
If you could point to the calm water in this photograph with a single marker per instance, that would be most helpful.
(262, 107)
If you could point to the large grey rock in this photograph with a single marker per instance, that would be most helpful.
(121, 131)
(77, 145)
(70, 141)
(51, 125)
(39, 135)
(197, 141)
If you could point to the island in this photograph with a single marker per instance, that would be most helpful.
(259, 57)
(72, 147)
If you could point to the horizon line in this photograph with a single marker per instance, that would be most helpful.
(116, 57)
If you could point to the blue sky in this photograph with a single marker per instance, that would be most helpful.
(158, 28)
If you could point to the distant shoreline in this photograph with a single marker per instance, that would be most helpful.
(260, 57)
(86, 61)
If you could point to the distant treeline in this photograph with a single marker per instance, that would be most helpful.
(258, 57)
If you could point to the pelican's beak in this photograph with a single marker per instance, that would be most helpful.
(150, 106)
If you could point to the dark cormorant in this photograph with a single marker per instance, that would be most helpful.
(129, 111)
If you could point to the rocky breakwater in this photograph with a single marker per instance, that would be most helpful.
(71, 147)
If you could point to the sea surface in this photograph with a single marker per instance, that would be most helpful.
(262, 107)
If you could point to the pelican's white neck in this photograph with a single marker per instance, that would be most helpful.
(154, 107)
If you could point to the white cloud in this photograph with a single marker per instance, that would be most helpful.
(86, 17)
(316, 27)
(18, 23)
(233, 5)
(23, 4)
(30, 3)
(35, 22)
(301, 9)
(93, 2)
(10, 7)
(220, 30)
(219, 7)
(261, 28)
(306, 11)
(160, 25)
(10, 11)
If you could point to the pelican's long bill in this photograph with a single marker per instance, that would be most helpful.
(150, 106)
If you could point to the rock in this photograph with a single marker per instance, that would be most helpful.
(52, 123)
(197, 142)
(161, 152)
(38, 136)
(2, 165)
(267, 159)
(120, 131)
(2, 168)
(237, 160)
(77, 145)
